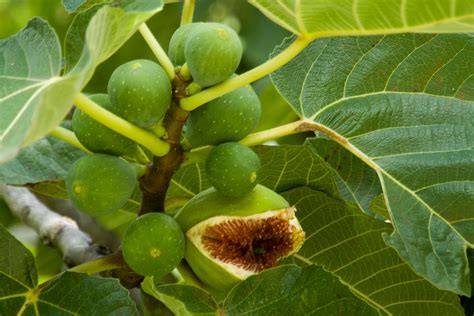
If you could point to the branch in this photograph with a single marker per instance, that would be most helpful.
(62, 232)
(155, 183)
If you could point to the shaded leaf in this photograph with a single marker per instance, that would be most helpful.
(378, 206)
(17, 273)
(349, 244)
(46, 160)
(80, 294)
(70, 293)
(403, 104)
(290, 290)
(357, 181)
(365, 17)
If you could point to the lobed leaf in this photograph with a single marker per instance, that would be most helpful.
(316, 18)
(349, 244)
(403, 104)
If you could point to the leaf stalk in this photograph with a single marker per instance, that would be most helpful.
(157, 50)
(195, 101)
(157, 146)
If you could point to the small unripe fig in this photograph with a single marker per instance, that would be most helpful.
(153, 244)
(178, 42)
(99, 184)
(212, 52)
(229, 239)
(226, 119)
(233, 169)
(140, 92)
(98, 138)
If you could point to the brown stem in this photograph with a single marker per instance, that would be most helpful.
(154, 184)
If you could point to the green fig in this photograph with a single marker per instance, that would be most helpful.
(229, 239)
(153, 244)
(233, 169)
(212, 52)
(98, 138)
(178, 43)
(98, 184)
(226, 119)
(140, 92)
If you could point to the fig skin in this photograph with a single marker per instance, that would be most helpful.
(99, 184)
(210, 203)
(178, 43)
(99, 138)
(226, 119)
(153, 245)
(140, 92)
(212, 52)
(233, 169)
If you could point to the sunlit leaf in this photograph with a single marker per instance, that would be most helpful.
(366, 17)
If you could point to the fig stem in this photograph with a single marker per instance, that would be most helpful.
(101, 264)
(188, 11)
(192, 102)
(157, 146)
(157, 50)
(69, 137)
(184, 71)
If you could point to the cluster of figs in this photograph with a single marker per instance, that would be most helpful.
(226, 233)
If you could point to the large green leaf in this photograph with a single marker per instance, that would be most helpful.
(286, 290)
(31, 90)
(289, 290)
(315, 18)
(403, 104)
(34, 98)
(349, 244)
(70, 293)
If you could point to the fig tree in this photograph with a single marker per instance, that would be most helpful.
(140, 92)
(233, 169)
(226, 119)
(153, 244)
(229, 239)
(99, 184)
(212, 52)
(98, 138)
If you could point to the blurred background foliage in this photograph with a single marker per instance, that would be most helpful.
(259, 36)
